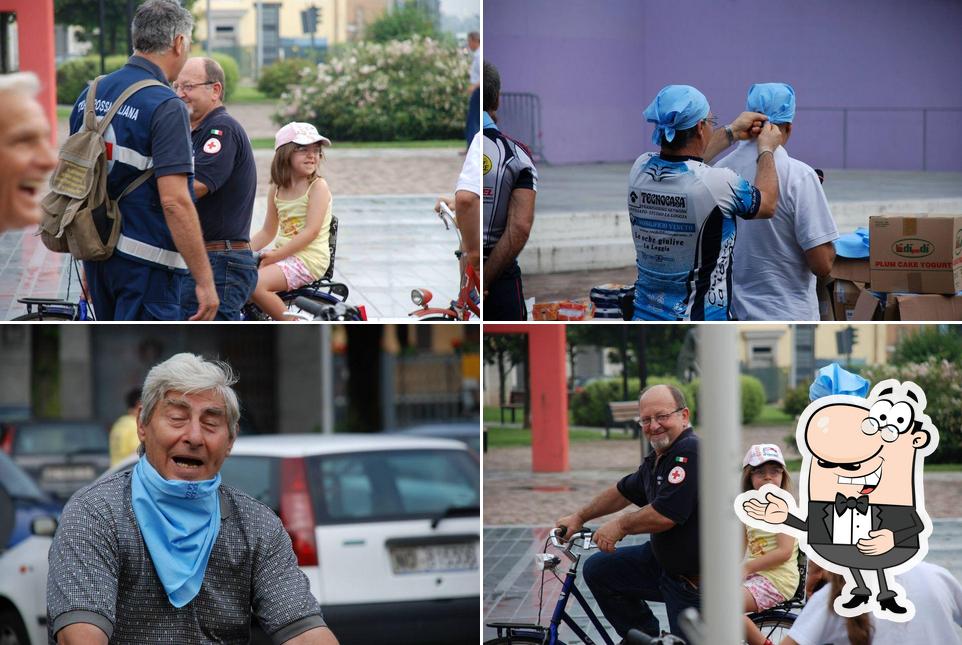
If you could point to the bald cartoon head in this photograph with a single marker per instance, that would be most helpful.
(869, 447)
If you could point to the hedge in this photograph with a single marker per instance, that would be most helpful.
(280, 76)
(941, 381)
(397, 91)
(73, 75)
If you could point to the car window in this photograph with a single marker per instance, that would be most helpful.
(59, 440)
(17, 483)
(256, 476)
(405, 484)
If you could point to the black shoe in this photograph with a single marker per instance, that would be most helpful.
(889, 604)
(855, 601)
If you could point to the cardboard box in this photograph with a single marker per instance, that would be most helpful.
(851, 269)
(923, 307)
(916, 253)
(845, 294)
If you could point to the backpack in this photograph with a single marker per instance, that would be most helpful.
(78, 216)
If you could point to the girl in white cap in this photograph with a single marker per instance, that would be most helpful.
(771, 565)
(300, 204)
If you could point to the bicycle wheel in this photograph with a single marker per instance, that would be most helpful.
(775, 628)
(47, 315)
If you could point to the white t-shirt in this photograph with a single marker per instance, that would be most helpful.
(937, 597)
(470, 177)
(476, 67)
(771, 279)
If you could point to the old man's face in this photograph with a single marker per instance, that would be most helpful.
(187, 437)
(26, 158)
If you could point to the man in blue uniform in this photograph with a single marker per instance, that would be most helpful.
(160, 237)
(665, 490)
(683, 211)
(225, 181)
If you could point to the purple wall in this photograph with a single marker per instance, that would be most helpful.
(597, 64)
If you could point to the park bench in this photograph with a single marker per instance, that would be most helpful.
(515, 402)
(623, 414)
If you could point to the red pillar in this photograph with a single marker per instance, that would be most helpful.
(36, 49)
(549, 393)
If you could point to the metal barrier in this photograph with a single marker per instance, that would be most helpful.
(519, 117)
(845, 110)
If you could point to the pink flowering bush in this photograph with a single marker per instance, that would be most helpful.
(396, 91)
(941, 380)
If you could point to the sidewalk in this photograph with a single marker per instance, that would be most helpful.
(520, 506)
(389, 241)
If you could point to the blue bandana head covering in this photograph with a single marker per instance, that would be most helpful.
(853, 245)
(676, 107)
(774, 100)
(180, 521)
(832, 379)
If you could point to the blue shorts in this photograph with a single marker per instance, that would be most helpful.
(235, 276)
(125, 289)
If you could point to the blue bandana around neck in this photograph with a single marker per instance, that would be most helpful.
(488, 122)
(676, 107)
(180, 521)
(774, 100)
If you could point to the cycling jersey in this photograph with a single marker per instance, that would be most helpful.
(506, 166)
(682, 223)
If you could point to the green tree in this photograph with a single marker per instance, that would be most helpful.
(505, 351)
(928, 343)
(86, 14)
(402, 23)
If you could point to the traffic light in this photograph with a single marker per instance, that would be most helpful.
(309, 19)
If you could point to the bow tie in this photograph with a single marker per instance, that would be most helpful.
(843, 503)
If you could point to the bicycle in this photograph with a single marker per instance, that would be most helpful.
(467, 303)
(522, 633)
(779, 619)
(58, 308)
(323, 292)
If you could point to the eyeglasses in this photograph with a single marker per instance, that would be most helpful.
(189, 87)
(713, 120)
(660, 418)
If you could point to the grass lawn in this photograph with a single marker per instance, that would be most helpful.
(245, 94)
(506, 437)
(63, 111)
(773, 416)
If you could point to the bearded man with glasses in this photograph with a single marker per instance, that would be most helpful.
(665, 490)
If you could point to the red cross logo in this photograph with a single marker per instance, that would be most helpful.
(212, 146)
(677, 475)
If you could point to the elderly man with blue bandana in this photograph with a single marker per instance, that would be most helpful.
(777, 261)
(683, 211)
(165, 554)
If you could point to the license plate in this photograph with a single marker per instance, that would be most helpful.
(435, 557)
(68, 473)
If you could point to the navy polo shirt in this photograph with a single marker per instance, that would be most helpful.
(224, 162)
(670, 484)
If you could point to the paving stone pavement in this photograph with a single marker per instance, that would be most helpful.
(520, 506)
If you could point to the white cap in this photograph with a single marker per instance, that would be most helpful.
(300, 133)
(762, 452)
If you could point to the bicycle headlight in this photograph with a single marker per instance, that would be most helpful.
(421, 297)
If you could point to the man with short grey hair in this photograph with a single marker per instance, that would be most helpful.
(160, 236)
(165, 554)
(225, 181)
(25, 153)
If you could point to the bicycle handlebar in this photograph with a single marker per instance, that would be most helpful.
(584, 535)
(321, 311)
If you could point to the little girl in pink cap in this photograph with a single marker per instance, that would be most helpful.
(300, 204)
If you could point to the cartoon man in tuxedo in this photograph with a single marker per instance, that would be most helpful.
(862, 460)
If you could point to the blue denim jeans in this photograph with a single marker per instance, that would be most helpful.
(235, 276)
(623, 581)
(125, 289)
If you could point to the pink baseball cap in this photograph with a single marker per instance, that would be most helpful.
(762, 452)
(300, 133)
